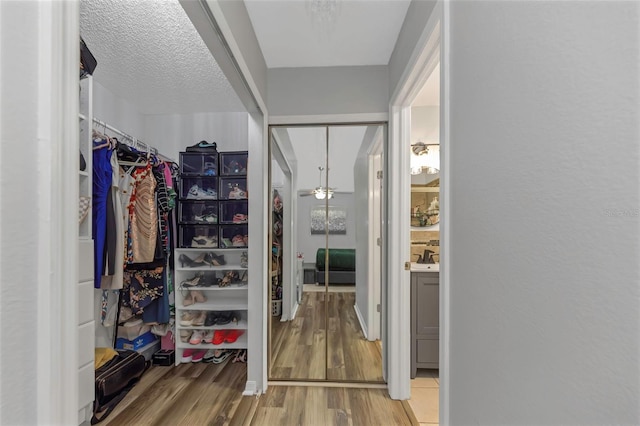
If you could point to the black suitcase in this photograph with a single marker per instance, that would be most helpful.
(115, 379)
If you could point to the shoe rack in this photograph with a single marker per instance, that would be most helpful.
(211, 263)
(211, 298)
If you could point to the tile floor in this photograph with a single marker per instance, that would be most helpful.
(424, 396)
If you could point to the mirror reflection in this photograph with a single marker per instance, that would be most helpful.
(325, 283)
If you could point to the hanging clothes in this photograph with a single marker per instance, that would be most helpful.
(115, 260)
(143, 217)
(142, 287)
(101, 187)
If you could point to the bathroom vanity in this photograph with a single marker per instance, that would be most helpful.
(425, 313)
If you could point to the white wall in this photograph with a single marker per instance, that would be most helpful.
(117, 112)
(328, 90)
(412, 28)
(544, 198)
(308, 243)
(21, 208)
(173, 133)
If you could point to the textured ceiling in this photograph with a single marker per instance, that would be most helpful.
(150, 54)
(360, 32)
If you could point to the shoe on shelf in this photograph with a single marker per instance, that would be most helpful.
(210, 169)
(194, 281)
(220, 355)
(238, 241)
(206, 218)
(211, 319)
(218, 337)
(188, 300)
(198, 193)
(196, 337)
(199, 319)
(241, 356)
(185, 335)
(232, 335)
(203, 146)
(187, 355)
(204, 242)
(225, 317)
(240, 218)
(208, 357)
(207, 281)
(192, 263)
(208, 337)
(198, 296)
(217, 259)
(186, 318)
(237, 194)
(244, 260)
(198, 355)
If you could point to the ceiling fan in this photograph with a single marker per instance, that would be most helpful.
(320, 192)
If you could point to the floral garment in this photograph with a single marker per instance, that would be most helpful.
(142, 287)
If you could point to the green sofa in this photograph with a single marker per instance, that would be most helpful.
(342, 266)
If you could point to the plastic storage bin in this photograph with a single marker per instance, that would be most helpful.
(234, 236)
(233, 188)
(233, 163)
(196, 163)
(198, 212)
(234, 212)
(198, 236)
(199, 188)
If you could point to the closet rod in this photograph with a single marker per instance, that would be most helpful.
(138, 144)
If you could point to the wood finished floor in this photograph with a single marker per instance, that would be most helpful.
(298, 346)
(209, 394)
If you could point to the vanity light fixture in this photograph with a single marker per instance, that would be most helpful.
(425, 158)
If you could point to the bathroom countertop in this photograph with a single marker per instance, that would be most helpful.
(425, 267)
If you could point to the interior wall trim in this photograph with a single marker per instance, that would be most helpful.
(328, 119)
(323, 384)
(421, 64)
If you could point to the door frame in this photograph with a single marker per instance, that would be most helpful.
(430, 49)
(379, 119)
(375, 159)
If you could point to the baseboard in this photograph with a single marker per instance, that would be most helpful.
(250, 389)
(295, 311)
(363, 326)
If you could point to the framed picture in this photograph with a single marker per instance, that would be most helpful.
(337, 220)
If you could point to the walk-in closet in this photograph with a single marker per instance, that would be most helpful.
(166, 186)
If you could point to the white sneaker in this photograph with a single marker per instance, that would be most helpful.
(208, 337)
(196, 337)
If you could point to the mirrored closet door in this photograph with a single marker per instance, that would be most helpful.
(324, 286)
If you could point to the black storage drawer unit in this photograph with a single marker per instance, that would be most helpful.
(233, 163)
(198, 236)
(198, 188)
(236, 212)
(198, 212)
(198, 164)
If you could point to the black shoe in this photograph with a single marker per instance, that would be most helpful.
(211, 319)
(225, 317)
(203, 146)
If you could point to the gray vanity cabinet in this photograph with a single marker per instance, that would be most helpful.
(425, 324)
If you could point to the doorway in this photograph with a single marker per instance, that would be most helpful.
(326, 230)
